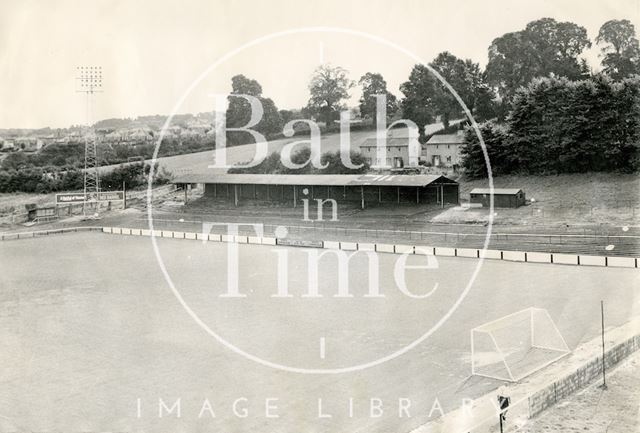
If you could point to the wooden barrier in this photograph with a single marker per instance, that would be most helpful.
(424, 251)
(467, 252)
(348, 246)
(490, 254)
(443, 251)
(622, 262)
(385, 248)
(514, 256)
(564, 259)
(539, 257)
(593, 261)
(404, 249)
(367, 247)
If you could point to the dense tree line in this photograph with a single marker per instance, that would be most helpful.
(272, 164)
(560, 126)
(37, 180)
(62, 157)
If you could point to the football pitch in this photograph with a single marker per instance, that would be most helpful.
(94, 338)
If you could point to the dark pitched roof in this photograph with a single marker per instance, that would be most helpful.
(391, 141)
(496, 191)
(314, 179)
(446, 139)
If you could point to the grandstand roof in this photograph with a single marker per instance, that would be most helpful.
(314, 179)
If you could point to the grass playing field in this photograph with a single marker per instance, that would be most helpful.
(88, 326)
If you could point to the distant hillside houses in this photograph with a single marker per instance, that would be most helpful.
(134, 134)
(144, 134)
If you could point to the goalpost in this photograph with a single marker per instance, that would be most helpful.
(514, 346)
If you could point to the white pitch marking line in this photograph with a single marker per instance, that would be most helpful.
(322, 346)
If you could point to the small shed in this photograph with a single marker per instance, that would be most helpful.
(40, 214)
(502, 197)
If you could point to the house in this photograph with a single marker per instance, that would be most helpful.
(443, 150)
(401, 152)
(198, 128)
(29, 144)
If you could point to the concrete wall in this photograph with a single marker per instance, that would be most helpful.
(581, 377)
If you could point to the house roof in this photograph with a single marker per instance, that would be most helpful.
(446, 139)
(314, 179)
(496, 191)
(391, 141)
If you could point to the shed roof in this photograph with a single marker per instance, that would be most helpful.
(446, 139)
(496, 191)
(314, 179)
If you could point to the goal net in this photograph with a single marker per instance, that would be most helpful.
(517, 345)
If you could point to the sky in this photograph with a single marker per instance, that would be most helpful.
(152, 52)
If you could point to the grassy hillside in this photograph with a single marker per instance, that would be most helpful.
(574, 199)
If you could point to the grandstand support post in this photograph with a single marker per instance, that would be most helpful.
(235, 195)
(604, 374)
(442, 196)
(362, 195)
(295, 197)
(398, 195)
(124, 195)
(417, 195)
(379, 195)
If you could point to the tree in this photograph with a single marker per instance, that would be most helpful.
(561, 126)
(329, 87)
(272, 164)
(335, 165)
(467, 80)
(495, 140)
(373, 84)
(543, 48)
(485, 106)
(418, 104)
(621, 51)
(286, 116)
(239, 110)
